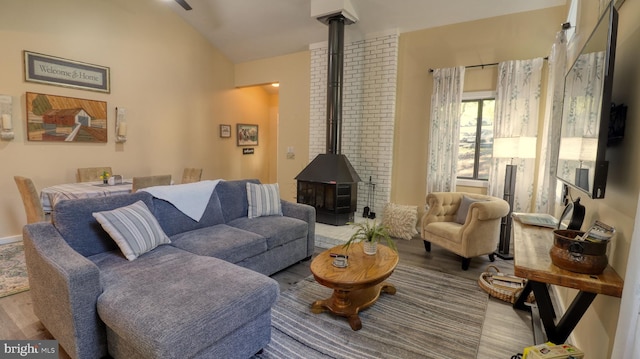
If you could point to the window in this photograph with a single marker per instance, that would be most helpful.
(476, 136)
(572, 20)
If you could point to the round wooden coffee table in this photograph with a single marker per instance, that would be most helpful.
(356, 286)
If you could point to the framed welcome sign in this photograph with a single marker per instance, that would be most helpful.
(67, 73)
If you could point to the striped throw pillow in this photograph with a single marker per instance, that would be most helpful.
(134, 229)
(264, 200)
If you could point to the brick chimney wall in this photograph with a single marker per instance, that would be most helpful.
(368, 111)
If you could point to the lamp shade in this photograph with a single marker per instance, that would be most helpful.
(122, 129)
(514, 147)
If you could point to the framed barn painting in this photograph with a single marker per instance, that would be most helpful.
(247, 135)
(65, 119)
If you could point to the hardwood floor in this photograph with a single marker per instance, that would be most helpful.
(505, 331)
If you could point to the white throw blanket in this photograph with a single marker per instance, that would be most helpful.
(190, 198)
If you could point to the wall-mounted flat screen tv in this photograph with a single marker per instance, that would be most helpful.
(586, 110)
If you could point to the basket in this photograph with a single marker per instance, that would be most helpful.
(500, 291)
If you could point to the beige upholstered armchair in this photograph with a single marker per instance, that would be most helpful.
(464, 223)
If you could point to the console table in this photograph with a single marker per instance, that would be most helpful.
(533, 262)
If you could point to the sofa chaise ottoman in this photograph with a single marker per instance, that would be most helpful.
(202, 294)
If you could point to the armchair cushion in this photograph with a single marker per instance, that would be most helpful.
(461, 215)
(449, 230)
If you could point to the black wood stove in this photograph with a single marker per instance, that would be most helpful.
(329, 183)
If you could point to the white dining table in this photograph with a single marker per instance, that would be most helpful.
(50, 196)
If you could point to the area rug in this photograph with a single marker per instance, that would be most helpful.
(432, 315)
(13, 271)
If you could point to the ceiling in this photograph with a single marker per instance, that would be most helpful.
(246, 30)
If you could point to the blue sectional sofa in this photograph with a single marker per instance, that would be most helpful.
(206, 294)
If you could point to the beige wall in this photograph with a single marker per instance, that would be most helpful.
(273, 137)
(175, 87)
(293, 73)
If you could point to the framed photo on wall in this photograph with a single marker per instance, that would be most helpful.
(225, 131)
(247, 135)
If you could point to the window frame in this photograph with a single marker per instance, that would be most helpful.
(478, 96)
(572, 19)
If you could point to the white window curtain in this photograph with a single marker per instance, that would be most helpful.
(516, 128)
(446, 103)
(547, 194)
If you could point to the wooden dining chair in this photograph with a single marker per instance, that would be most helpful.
(30, 199)
(89, 174)
(190, 175)
(150, 181)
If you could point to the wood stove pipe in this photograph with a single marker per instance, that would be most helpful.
(334, 83)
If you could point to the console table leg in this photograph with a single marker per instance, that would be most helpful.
(545, 306)
(519, 303)
(570, 319)
(559, 333)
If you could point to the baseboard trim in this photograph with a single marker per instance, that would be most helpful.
(12, 239)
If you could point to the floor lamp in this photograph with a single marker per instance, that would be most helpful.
(510, 147)
(508, 195)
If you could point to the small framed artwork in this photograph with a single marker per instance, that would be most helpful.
(247, 135)
(225, 131)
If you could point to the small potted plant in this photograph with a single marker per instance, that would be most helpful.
(105, 177)
(370, 233)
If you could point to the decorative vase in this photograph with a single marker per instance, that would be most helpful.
(105, 181)
(370, 247)
(580, 256)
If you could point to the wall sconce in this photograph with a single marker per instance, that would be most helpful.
(121, 126)
(6, 131)
(7, 128)
(121, 131)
